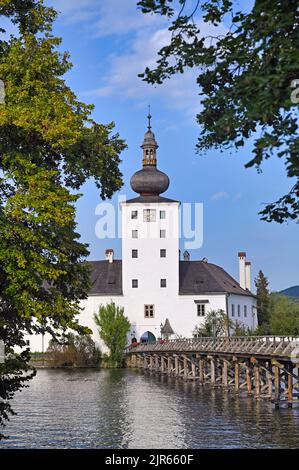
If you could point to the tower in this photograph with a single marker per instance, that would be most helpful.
(150, 244)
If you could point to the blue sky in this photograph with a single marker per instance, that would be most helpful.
(110, 43)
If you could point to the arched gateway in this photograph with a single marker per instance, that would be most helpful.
(147, 337)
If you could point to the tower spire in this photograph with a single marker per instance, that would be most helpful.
(149, 144)
(149, 117)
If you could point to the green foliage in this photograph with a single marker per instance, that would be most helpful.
(113, 328)
(245, 77)
(239, 329)
(216, 324)
(76, 350)
(284, 318)
(262, 302)
(49, 147)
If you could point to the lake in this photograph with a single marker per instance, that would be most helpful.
(127, 409)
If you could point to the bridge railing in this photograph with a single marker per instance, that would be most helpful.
(263, 345)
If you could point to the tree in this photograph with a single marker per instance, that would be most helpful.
(216, 324)
(113, 328)
(241, 330)
(262, 302)
(76, 350)
(248, 77)
(49, 147)
(284, 318)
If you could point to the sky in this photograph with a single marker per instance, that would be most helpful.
(110, 43)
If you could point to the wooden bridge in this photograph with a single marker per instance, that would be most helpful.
(262, 367)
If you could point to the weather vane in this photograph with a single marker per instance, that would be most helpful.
(149, 117)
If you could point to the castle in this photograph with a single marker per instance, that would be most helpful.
(161, 293)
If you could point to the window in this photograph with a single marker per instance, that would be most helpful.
(162, 215)
(149, 215)
(162, 253)
(201, 310)
(162, 233)
(149, 311)
(239, 311)
(233, 310)
(245, 311)
(163, 283)
(134, 233)
(134, 214)
(134, 253)
(134, 283)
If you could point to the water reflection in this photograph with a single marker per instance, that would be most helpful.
(126, 409)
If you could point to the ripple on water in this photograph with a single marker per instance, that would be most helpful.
(125, 409)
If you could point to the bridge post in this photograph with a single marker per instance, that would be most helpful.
(169, 368)
(290, 385)
(201, 371)
(257, 381)
(176, 365)
(221, 362)
(193, 367)
(225, 373)
(162, 364)
(213, 371)
(237, 372)
(248, 378)
(185, 365)
(277, 387)
(270, 380)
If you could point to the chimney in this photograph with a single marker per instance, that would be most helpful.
(186, 255)
(248, 275)
(242, 277)
(109, 255)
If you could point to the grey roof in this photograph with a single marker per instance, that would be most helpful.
(200, 277)
(166, 329)
(149, 181)
(144, 199)
(106, 278)
(195, 277)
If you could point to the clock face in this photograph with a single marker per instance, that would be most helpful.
(149, 215)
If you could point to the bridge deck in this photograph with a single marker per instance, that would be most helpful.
(263, 367)
(280, 347)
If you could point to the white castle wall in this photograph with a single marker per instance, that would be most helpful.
(149, 268)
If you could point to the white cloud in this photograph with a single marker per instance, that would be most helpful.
(122, 78)
(121, 17)
(219, 196)
(73, 11)
(105, 18)
(140, 37)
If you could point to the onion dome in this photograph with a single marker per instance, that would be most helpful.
(149, 181)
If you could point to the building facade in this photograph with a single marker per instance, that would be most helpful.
(151, 282)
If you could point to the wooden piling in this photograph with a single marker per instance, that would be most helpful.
(201, 371)
(248, 378)
(290, 386)
(225, 373)
(213, 371)
(176, 365)
(257, 381)
(265, 368)
(237, 372)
